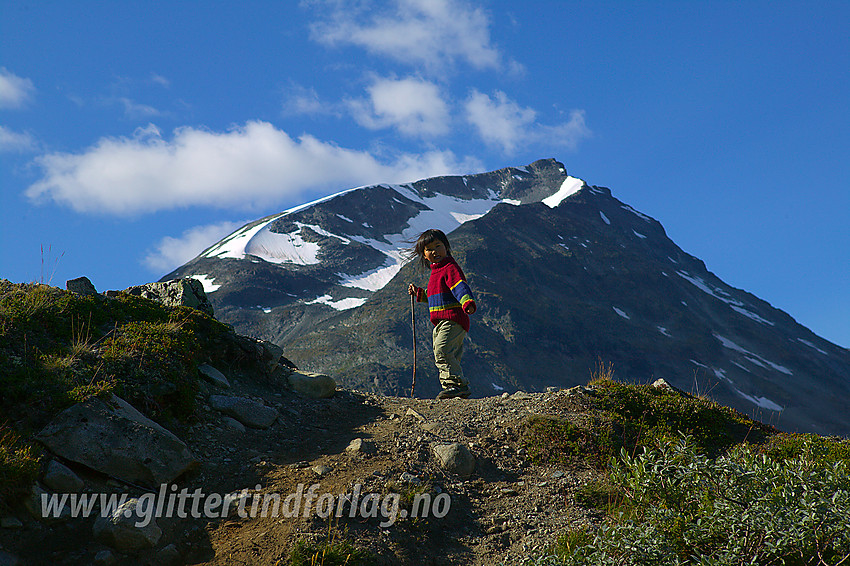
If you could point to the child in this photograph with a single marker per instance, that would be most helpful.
(450, 302)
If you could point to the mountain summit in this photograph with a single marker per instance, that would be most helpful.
(566, 277)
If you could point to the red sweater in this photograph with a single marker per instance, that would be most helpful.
(448, 293)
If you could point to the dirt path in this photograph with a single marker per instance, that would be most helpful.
(506, 510)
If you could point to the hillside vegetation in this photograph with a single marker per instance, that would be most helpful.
(642, 474)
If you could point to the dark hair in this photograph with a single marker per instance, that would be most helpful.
(425, 238)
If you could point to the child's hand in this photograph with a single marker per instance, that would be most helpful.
(413, 290)
(469, 308)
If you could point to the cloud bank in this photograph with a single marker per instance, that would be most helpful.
(247, 168)
(170, 253)
(15, 91)
(503, 123)
(432, 34)
(415, 107)
(11, 140)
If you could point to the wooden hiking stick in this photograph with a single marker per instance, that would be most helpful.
(413, 323)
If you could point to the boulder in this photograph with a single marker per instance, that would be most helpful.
(268, 354)
(38, 505)
(112, 437)
(186, 292)
(455, 458)
(213, 376)
(105, 558)
(81, 286)
(361, 446)
(60, 478)
(313, 385)
(247, 411)
(661, 383)
(129, 528)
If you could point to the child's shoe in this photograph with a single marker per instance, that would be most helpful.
(452, 392)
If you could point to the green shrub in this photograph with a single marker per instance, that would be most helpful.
(19, 465)
(332, 550)
(740, 508)
(643, 415)
(784, 446)
(554, 440)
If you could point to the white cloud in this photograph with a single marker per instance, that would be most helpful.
(14, 90)
(160, 80)
(300, 100)
(414, 106)
(171, 253)
(499, 121)
(15, 141)
(135, 110)
(504, 123)
(431, 33)
(248, 167)
(566, 135)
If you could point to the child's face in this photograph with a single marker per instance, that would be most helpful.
(435, 251)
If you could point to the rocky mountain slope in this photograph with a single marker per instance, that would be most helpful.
(565, 275)
(226, 454)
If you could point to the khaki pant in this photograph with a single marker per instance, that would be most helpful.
(448, 350)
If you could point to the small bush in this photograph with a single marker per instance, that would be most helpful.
(332, 550)
(741, 508)
(19, 465)
(554, 440)
(785, 446)
(644, 416)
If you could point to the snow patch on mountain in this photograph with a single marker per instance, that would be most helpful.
(762, 402)
(718, 293)
(636, 213)
(755, 358)
(621, 313)
(570, 186)
(340, 305)
(208, 283)
(810, 345)
(374, 279)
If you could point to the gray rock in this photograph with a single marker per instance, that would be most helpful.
(81, 286)
(112, 437)
(213, 376)
(321, 470)
(661, 383)
(313, 385)
(233, 424)
(36, 504)
(129, 528)
(247, 411)
(105, 558)
(168, 556)
(271, 354)
(411, 413)
(455, 458)
(186, 292)
(361, 446)
(60, 478)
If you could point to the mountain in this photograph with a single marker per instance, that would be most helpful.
(567, 278)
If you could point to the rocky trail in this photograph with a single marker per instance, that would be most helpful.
(481, 500)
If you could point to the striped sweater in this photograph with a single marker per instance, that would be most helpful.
(448, 293)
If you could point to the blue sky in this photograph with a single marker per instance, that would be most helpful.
(134, 134)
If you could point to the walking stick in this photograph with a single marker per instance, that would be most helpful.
(413, 323)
